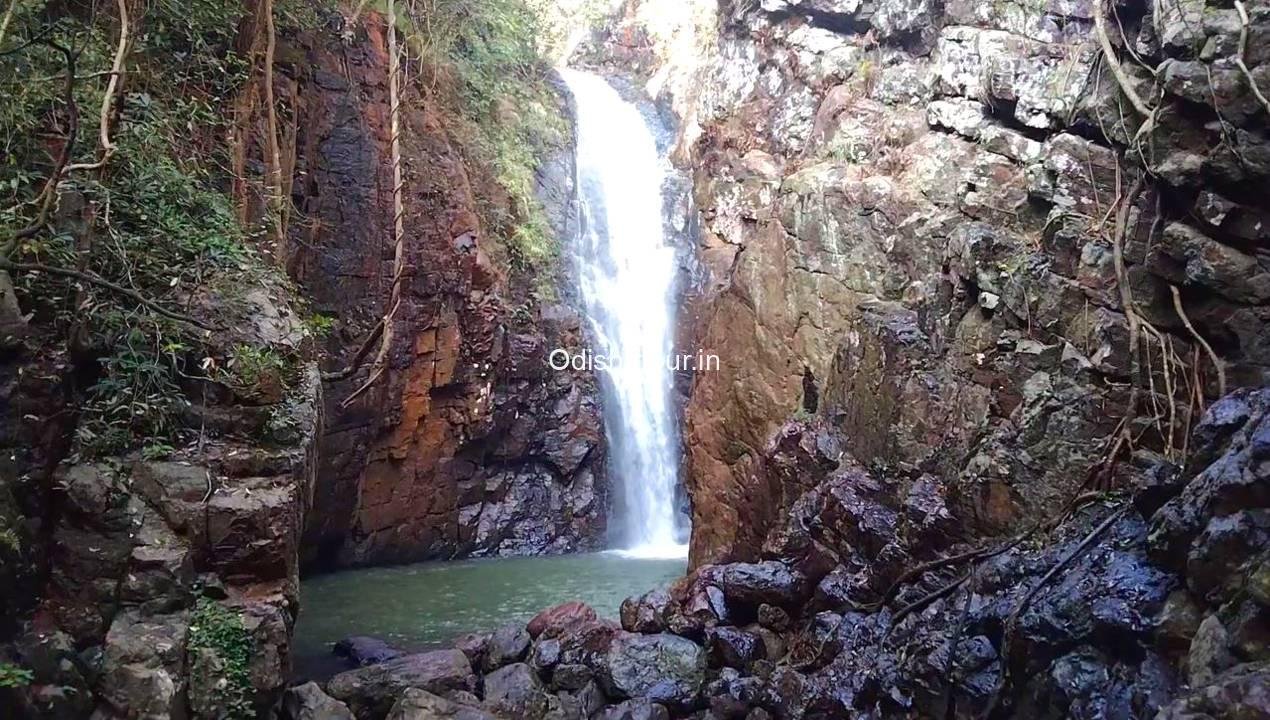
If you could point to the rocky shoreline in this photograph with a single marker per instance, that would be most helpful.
(1144, 603)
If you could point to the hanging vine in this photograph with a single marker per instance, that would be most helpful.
(385, 326)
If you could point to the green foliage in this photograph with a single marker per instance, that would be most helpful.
(253, 366)
(490, 50)
(136, 397)
(319, 325)
(157, 220)
(13, 676)
(218, 629)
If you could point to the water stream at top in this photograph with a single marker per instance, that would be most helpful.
(627, 273)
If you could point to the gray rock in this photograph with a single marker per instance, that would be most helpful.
(508, 644)
(308, 702)
(750, 585)
(663, 668)
(515, 691)
(371, 691)
(1210, 652)
(634, 710)
(362, 650)
(420, 705)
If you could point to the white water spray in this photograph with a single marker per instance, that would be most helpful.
(627, 273)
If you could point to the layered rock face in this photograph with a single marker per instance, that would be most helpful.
(864, 604)
(469, 444)
(918, 221)
(160, 588)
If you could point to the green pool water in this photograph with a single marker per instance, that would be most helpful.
(425, 605)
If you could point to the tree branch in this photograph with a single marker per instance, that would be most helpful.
(112, 88)
(49, 191)
(104, 283)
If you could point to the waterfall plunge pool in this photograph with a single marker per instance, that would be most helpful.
(416, 607)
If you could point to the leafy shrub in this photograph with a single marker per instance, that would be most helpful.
(13, 676)
(218, 629)
(488, 50)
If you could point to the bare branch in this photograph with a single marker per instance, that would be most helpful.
(104, 283)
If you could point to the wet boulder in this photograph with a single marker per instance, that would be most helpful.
(515, 691)
(588, 643)
(646, 613)
(420, 705)
(734, 647)
(508, 644)
(553, 621)
(370, 691)
(362, 650)
(662, 668)
(746, 586)
(308, 702)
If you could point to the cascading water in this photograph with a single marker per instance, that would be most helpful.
(627, 274)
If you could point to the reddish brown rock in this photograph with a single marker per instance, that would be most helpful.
(554, 621)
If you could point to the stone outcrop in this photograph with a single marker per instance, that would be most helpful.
(151, 576)
(469, 444)
(911, 214)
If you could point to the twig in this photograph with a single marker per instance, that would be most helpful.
(102, 282)
(8, 16)
(1217, 363)
(1243, 50)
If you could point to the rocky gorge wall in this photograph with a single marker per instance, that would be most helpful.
(469, 444)
(1149, 604)
(157, 575)
(918, 219)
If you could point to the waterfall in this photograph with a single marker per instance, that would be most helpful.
(627, 273)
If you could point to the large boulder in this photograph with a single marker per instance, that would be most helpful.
(515, 691)
(371, 691)
(749, 585)
(308, 702)
(663, 668)
(420, 705)
(508, 644)
(553, 621)
(362, 650)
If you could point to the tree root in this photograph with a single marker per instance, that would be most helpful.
(387, 335)
(362, 352)
(1217, 363)
(1243, 51)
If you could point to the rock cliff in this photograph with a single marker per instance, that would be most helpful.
(469, 444)
(924, 221)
